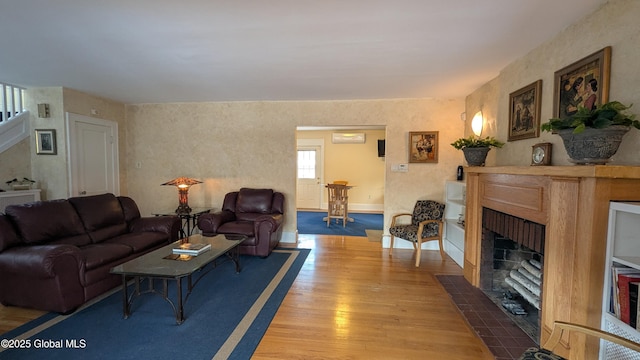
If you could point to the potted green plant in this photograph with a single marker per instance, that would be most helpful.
(592, 136)
(475, 149)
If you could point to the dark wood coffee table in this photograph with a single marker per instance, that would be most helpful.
(163, 265)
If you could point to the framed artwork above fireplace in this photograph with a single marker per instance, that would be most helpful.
(524, 112)
(584, 83)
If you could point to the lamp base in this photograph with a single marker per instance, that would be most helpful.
(182, 209)
(183, 200)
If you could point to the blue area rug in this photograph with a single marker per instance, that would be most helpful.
(226, 316)
(310, 222)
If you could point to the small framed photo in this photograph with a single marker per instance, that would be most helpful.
(46, 142)
(584, 83)
(524, 112)
(423, 147)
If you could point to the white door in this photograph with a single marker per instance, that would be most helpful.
(93, 156)
(309, 165)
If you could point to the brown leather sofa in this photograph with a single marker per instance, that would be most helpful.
(56, 255)
(255, 213)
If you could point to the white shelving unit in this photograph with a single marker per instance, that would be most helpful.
(17, 197)
(623, 249)
(453, 237)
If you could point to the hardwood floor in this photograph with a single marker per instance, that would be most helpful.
(12, 317)
(352, 301)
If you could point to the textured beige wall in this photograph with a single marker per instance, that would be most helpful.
(48, 170)
(615, 24)
(357, 163)
(253, 144)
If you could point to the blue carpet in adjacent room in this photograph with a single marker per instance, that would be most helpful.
(226, 316)
(310, 222)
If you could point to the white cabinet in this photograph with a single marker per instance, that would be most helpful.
(18, 197)
(623, 252)
(455, 197)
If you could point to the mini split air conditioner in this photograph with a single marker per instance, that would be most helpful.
(347, 138)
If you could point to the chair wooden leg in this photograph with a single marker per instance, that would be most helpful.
(441, 248)
(418, 253)
(391, 246)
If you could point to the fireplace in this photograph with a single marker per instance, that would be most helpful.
(512, 266)
(568, 207)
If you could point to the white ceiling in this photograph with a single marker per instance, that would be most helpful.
(150, 51)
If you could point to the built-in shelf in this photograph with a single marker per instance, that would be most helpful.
(455, 197)
(623, 252)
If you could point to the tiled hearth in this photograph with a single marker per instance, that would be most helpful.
(504, 338)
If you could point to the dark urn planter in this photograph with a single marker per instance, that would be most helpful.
(476, 156)
(592, 146)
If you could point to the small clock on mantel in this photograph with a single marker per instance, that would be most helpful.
(541, 154)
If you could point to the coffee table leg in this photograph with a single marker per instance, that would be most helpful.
(125, 298)
(180, 309)
(236, 258)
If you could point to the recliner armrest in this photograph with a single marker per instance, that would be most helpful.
(267, 229)
(210, 222)
(274, 220)
(38, 260)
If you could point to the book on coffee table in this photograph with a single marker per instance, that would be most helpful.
(191, 249)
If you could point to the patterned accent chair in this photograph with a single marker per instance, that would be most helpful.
(426, 225)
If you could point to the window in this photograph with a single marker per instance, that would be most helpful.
(306, 164)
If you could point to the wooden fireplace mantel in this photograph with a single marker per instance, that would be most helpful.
(573, 203)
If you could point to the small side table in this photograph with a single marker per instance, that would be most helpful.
(189, 219)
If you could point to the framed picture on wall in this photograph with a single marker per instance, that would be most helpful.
(524, 112)
(584, 83)
(46, 142)
(423, 147)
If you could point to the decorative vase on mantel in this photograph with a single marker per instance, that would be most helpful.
(592, 146)
(592, 136)
(476, 156)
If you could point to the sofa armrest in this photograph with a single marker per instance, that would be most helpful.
(210, 222)
(38, 260)
(169, 225)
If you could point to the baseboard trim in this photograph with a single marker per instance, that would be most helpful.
(289, 237)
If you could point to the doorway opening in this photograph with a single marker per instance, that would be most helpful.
(321, 159)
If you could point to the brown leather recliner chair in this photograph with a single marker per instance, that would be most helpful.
(255, 213)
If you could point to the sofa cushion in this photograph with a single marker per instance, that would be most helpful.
(44, 221)
(254, 201)
(101, 215)
(95, 255)
(141, 241)
(8, 235)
